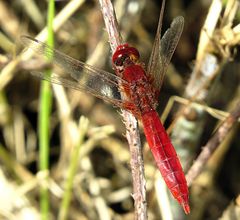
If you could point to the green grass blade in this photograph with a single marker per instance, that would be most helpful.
(72, 170)
(44, 121)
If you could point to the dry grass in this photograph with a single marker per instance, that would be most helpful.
(102, 185)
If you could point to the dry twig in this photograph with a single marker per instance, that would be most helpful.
(132, 132)
(213, 144)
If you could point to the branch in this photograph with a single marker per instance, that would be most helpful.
(132, 132)
(213, 144)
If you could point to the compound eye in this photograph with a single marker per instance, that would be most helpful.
(134, 54)
(120, 60)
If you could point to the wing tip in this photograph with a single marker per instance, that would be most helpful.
(24, 39)
(178, 20)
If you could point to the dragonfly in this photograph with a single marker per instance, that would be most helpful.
(141, 88)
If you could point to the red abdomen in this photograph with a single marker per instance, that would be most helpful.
(166, 158)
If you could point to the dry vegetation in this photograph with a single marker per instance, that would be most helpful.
(200, 88)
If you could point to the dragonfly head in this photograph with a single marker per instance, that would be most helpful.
(124, 55)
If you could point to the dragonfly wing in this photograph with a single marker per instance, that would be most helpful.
(69, 82)
(155, 60)
(170, 40)
(163, 50)
(78, 75)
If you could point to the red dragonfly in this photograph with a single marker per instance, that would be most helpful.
(141, 88)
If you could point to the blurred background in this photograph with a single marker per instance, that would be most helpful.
(199, 89)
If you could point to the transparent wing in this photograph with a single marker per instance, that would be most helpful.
(78, 75)
(163, 49)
